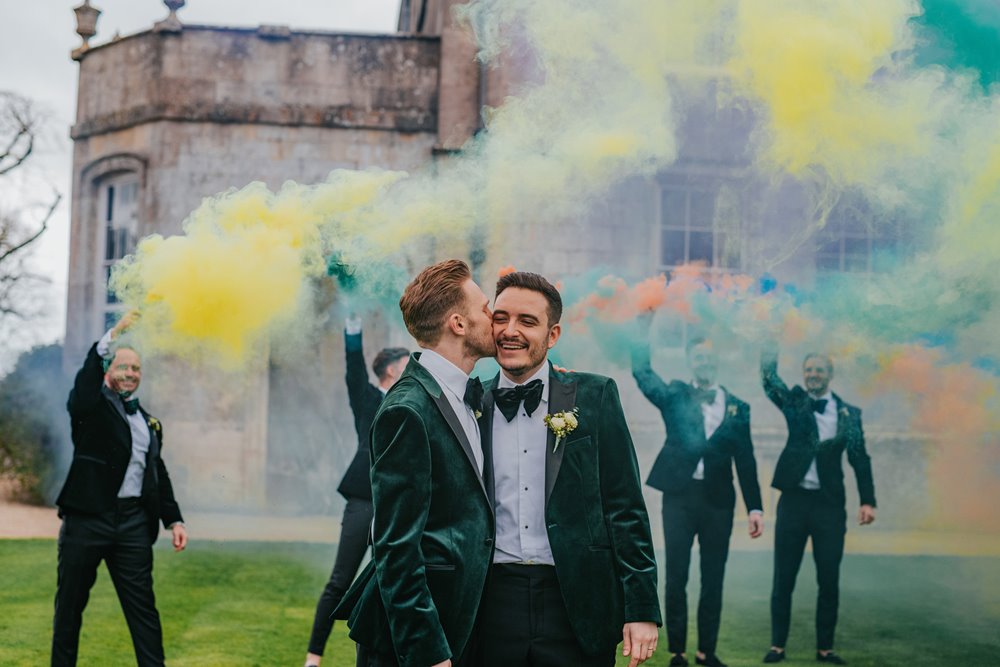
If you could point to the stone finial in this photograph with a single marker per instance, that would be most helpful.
(171, 23)
(86, 26)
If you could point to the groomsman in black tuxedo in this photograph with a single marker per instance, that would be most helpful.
(708, 430)
(356, 487)
(573, 571)
(116, 492)
(809, 474)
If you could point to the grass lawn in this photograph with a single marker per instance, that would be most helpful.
(252, 604)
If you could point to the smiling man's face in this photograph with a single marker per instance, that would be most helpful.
(522, 332)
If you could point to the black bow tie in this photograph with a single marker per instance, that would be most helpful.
(706, 396)
(131, 405)
(474, 394)
(819, 405)
(508, 400)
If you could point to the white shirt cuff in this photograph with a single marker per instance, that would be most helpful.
(104, 345)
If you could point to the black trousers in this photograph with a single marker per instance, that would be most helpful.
(802, 515)
(685, 516)
(523, 622)
(121, 539)
(354, 531)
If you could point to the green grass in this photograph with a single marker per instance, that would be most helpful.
(252, 604)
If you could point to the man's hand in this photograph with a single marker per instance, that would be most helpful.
(639, 641)
(756, 524)
(180, 536)
(127, 320)
(352, 325)
(866, 515)
(446, 663)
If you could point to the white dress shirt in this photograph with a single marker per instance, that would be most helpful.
(713, 413)
(132, 484)
(453, 381)
(519, 480)
(826, 425)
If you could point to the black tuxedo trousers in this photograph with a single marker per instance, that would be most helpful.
(119, 537)
(804, 515)
(686, 516)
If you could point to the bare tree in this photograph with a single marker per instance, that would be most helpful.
(20, 225)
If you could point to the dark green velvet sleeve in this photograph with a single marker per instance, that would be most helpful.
(625, 512)
(401, 493)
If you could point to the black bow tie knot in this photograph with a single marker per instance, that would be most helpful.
(509, 399)
(131, 405)
(706, 396)
(818, 405)
(474, 394)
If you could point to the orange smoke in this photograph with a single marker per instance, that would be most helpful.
(504, 270)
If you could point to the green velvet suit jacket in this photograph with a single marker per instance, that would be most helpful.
(432, 532)
(595, 515)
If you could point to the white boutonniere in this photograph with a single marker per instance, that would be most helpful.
(477, 414)
(731, 410)
(562, 424)
(843, 412)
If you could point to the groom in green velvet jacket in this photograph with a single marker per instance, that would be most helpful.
(416, 603)
(573, 571)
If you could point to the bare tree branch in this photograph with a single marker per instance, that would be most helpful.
(34, 237)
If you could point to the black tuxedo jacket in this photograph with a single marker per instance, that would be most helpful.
(102, 447)
(804, 444)
(686, 442)
(595, 515)
(365, 399)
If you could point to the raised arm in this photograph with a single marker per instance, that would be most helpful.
(774, 386)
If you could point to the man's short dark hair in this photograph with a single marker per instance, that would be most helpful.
(387, 357)
(535, 283)
(819, 355)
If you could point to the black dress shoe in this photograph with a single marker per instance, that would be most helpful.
(711, 660)
(774, 656)
(678, 660)
(830, 658)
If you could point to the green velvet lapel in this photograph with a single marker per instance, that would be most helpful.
(423, 376)
(562, 398)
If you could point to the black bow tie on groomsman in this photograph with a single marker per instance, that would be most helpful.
(819, 405)
(706, 396)
(131, 405)
(509, 399)
(474, 395)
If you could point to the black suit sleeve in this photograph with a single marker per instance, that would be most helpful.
(86, 393)
(774, 386)
(746, 464)
(650, 384)
(625, 512)
(170, 511)
(858, 457)
(363, 396)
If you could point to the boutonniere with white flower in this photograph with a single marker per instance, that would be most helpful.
(843, 412)
(731, 410)
(153, 422)
(477, 413)
(562, 424)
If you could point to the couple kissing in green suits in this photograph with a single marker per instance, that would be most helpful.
(509, 525)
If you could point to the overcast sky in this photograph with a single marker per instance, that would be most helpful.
(35, 62)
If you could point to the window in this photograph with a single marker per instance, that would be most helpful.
(118, 206)
(855, 240)
(690, 229)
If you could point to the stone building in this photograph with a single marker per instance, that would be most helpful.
(176, 113)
